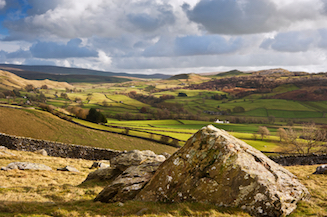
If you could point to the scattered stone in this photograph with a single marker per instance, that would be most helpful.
(26, 166)
(42, 152)
(134, 158)
(69, 169)
(167, 155)
(4, 151)
(106, 174)
(99, 165)
(142, 211)
(120, 204)
(321, 169)
(128, 184)
(215, 167)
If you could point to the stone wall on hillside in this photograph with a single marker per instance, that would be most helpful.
(292, 160)
(57, 149)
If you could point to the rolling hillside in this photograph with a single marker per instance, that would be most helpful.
(75, 71)
(9, 81)
(42, 125)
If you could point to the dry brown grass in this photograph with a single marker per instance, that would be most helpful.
(55, 193)
(10, 81)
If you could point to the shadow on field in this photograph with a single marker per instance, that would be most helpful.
(131, 208)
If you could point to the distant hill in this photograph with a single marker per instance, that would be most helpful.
(76, 71)
(192, 77)
(9, 80)
(180, 76)
(230, 73)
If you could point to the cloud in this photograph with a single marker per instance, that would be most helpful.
(2, 4)
(48, 50)
(151, 21)
(206, 45)
(87, 18)
(293, 41)
(250, 16)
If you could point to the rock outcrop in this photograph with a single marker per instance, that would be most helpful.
(107, 174)
(128, 184)
(26, 166)
(134, 158)
(128, 174)
(321, 170)
(215, 167)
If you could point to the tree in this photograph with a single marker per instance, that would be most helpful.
(29, 87)
(306, 141)
(96, 116)
(238, 109)
(263, 131)
(281, 132)
(271, 119)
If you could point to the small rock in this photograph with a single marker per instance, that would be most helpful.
(120, 204)
(321, 169)
(99, 165)
(42, 152)
(142, 211)
(26, 166)
(69, 169)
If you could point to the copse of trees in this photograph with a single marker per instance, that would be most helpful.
(96, 116)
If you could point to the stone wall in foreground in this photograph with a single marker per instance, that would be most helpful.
(57, 149)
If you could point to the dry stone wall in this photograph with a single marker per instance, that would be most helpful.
(57, 149)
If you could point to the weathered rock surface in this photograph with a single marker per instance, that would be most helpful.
(215, 167)
(100, 165)
(134, 158)
(26, 166)
(4, 151)
(107, 174)
(42, 152)
(321, 170)
(128, 184)
(68, 169)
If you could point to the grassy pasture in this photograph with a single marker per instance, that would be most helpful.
(55, 193)
(42, 125)
(127, 101)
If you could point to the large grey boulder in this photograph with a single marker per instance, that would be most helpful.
(215, 167)
(128, 184)
(135, 158)
(26, 166)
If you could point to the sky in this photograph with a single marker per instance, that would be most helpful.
(165, 36)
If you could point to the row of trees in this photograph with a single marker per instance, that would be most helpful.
(303, 141)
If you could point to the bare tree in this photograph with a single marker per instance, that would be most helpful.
(281, 132)
(263, 131)
(307, 140)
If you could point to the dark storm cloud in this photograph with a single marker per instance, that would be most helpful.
(54, 50)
